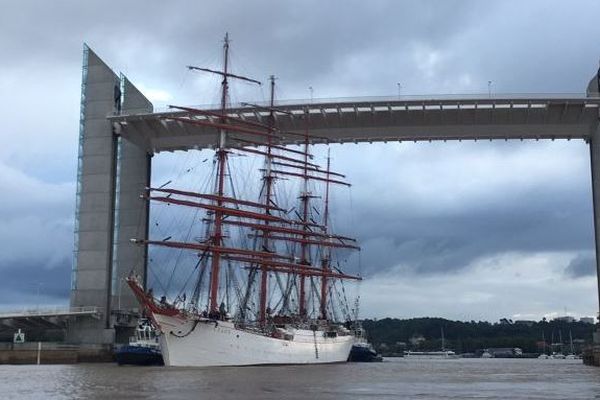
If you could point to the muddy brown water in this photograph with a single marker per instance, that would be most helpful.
(392, 379)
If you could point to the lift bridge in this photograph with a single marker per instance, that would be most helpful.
(119, 133)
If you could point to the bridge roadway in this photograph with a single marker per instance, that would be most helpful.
(381, 119)
(36, 321)
(50, 312)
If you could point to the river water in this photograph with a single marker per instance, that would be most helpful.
(391, 379)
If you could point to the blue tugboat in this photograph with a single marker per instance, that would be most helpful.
(364, 352)
(143, 348)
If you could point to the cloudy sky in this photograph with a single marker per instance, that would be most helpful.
(458, 230)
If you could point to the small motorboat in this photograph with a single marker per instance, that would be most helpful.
(143, 348)
(364, 352)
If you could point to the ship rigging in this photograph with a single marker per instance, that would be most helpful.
(292, 245)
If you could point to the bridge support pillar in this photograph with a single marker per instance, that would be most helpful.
(595, 166)
(133, 168)
(112, 174)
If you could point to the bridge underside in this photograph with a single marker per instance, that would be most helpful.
(43, 325)
(384, 120)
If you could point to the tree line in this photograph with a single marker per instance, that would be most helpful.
(392, 335)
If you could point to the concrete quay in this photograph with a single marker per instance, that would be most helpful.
(53, 353)
(591, 356)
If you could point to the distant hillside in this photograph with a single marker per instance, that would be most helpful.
(395, 335)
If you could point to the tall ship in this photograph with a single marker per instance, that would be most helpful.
(268, 286)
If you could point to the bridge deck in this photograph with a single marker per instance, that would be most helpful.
(533, 116)
(54, 312)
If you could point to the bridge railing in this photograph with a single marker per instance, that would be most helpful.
(34, 312)
(402, 98)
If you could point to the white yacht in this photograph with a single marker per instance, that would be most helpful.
(431, 355)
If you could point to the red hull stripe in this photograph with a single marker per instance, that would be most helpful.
(147, 301)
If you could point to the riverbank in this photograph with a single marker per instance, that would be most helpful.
(53, 353)
(390, 335)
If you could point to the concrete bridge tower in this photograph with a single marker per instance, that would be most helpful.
(111, 174)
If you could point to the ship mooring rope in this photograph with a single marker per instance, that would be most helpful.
(187, 334)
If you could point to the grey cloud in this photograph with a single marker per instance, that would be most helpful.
(341, 49)
(21, 281)
(433, 235)
(581, 266)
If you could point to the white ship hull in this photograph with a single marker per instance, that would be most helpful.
(187, 343)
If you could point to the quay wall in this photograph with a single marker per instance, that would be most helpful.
(53, 353)
(591, 356)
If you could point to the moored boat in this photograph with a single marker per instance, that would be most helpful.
(143, 348)
(432, 355)
(364, 352)
(442, 354)
(276, 267)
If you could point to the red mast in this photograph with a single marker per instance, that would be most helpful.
(222, 160)
(305, 197)
(268, 179)
(326, 250)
